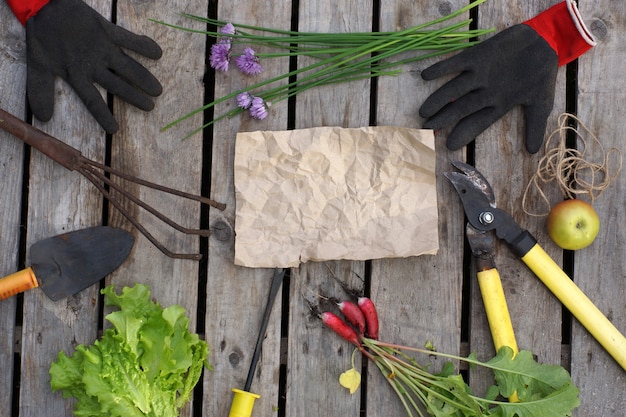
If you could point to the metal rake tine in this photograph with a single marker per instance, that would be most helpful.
(143, 204)
(72, 159)
(158, 187)
(96, 182)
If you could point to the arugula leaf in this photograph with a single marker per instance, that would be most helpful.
(456, 401)
(544, 390)
(147, 364)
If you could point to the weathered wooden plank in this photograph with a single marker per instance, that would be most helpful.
(140, 148)
(12, 73)
(502, 157)
(59, 201)
(316, 356)
(600, 270)
(236, 296)
(418, 298)
(422, 305)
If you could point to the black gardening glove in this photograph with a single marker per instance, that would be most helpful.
(517, 66)
(69, 39)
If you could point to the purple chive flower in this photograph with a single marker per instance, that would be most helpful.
(229, 30)
(220, 56)
(244, 100)
(248, 62)
(258, 109)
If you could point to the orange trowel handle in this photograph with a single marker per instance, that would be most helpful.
(18, 282)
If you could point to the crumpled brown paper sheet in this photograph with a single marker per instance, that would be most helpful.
(330, 193)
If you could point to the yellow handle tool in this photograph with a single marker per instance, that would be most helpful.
(479, 203)
(575, 300)
(482, 245)
(243, 403)
(497, 313)
(497, 310)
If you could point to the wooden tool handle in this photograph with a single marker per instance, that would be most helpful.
(18, 282)
(50, 146)
(577, 303)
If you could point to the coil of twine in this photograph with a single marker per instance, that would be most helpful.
(569, 168)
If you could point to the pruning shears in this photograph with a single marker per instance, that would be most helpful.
(478, 202)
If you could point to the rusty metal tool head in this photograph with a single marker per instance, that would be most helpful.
(482, 245)
(100, 176)
(477, 197)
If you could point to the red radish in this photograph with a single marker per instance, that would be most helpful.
(371, 317)
(340, 327)
(354, 315)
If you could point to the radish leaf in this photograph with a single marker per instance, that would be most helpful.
(542, 389)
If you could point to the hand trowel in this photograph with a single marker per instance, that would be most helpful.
(68, 263)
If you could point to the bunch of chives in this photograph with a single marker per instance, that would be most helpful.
(339, 57)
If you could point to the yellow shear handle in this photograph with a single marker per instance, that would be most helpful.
(497, 313)
(577, 303)
(496, 309)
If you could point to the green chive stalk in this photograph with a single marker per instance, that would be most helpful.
(338, 57)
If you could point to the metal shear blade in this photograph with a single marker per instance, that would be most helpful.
(479, 204)
(475, 202)
(477, 179)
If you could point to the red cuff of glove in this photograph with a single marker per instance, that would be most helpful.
(564, 30)
(25, 9)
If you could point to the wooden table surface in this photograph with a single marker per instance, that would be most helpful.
(427, 298)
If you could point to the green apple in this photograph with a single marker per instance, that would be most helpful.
(573, 224)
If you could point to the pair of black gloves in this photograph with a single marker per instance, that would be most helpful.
(517, 66)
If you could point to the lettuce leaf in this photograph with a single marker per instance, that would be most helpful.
(147, 364)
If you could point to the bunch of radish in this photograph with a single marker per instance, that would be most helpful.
(422, 392)
(361, 321)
